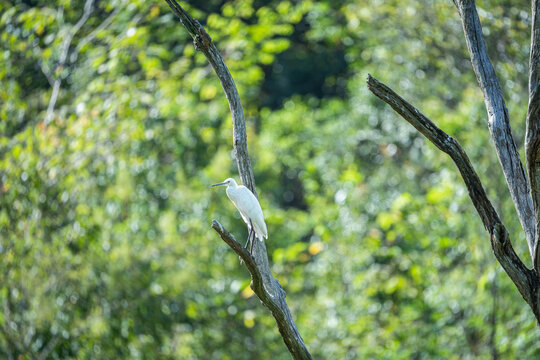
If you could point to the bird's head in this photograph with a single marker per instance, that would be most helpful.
(228, 182)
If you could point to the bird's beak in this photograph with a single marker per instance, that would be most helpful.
(220, 184)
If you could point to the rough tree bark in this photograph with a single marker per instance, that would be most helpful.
(498, 122)
(527, 205)
(532, 133)
(265, 286)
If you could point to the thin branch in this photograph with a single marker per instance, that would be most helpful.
(108, 21)
(46, 71)
(64, 51)
(524, 279)
(532, 137)
(267, 288)
(88, 8)
(52, 101)
(499, 124)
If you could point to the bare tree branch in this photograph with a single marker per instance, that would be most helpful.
(203, 42)
(265, 286)
(52, 101)
(532, 137)
(499, 123)
(524, 279)
(64, 51)
(108, 21)
(272, 295)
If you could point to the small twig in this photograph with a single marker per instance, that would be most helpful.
(64, 51)
(93, 34)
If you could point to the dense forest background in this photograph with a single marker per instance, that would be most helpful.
(112, 127)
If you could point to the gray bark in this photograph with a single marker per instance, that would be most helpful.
(532, 133)
(498, 120)
(265, 286)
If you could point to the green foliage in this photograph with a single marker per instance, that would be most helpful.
(105, 245)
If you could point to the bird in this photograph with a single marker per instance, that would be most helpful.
(249, 208)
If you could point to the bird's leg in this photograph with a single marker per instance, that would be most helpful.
(252, 241)
(249, 238)
(253, 238)
(250, 230)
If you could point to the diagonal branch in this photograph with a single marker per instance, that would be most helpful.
(263, 283)
(272, 295)
(108, 21)
(445, 143)
(532, 137)
(523, 278)
(244, 254)
(499, 123)
(203, 42)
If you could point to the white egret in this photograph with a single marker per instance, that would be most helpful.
(249, 208)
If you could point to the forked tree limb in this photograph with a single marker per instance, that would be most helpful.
(271, 294)
(498, 120)
(265, 286)
(524, 279)
(532, 133)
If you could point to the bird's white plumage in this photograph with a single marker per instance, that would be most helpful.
(248, 206)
